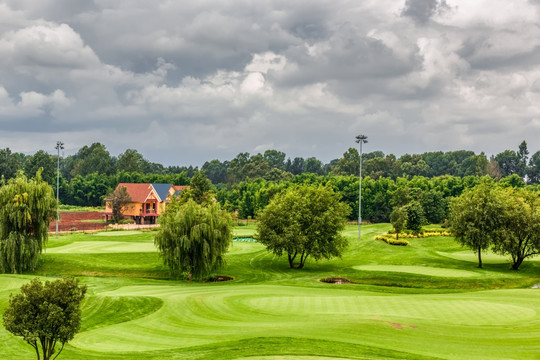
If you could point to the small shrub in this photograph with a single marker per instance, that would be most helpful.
(126, 221)
(390, 240)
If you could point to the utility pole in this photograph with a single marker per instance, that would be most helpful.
(59, 145)
(360, 139)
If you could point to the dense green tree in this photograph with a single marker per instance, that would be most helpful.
(26, 208)
(44, 161)
(521, 226)
(435, 206)
(304, 221)
(514, 181)
(90, 190)
(413, 165)
(415, 217)
(508, 161)
(474, 165)
(93, 158)
(275, 159)
(216, 171)
(313, 165)
(476, 217)
(349, 164)
(398, 218)
(193, 238)
(132, 161)
(522, 158)
(10, 163)
(45, 315)
(235, 172)
(533, 171)
(297, 166)
(201, 188)
(278, 175)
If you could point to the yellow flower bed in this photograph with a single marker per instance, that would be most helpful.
(391, 238)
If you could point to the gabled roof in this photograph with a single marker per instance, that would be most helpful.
(138, 192)
(162, 190)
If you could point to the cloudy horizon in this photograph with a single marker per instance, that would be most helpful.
(191, 81)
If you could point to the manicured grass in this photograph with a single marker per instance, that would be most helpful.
(423, 301)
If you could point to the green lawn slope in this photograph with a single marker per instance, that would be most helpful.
(427, 300)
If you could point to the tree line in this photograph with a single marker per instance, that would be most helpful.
(87, 176)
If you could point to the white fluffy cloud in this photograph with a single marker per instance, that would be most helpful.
(193, 81)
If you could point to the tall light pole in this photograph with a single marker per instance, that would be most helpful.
(360, 139)
(59, 145)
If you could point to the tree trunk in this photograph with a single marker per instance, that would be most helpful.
(302, 260)
(517, 263)
(479, 257)
(291, 259)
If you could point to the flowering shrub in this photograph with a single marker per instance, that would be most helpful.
(390, 238)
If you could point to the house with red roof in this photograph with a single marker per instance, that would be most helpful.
(148, 201)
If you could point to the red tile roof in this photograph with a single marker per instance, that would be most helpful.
(180, 187)
(138, 192)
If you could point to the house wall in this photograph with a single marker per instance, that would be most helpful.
(133, 209)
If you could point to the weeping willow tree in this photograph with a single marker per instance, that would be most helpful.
(193, 238)
(26, 208)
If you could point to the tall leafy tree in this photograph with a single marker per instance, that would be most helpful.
(216, 171)
(415, 217)
(521, 226)
(46, 315)
(398, 218)
(476, 217)
(313, 165)
(119, 200)
(26, 208)
(304, 221)
(41, 160)
(508, 161)
(93, 158)
(349, 164)
(193, 238)
(132, 161)
(275, 158)
(533, 171)
(201, 188)
(522, 158)
(10, 163)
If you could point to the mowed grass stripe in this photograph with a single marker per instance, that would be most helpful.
(192, 317)
(100, 247)
(422, 270)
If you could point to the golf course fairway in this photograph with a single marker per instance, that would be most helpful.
(423, 301)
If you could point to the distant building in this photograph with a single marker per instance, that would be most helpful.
(148, 201)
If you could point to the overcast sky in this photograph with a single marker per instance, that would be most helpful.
(188, 81)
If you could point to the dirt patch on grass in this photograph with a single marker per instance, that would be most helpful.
(219, 278)
(336, 280)
(401, 326)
